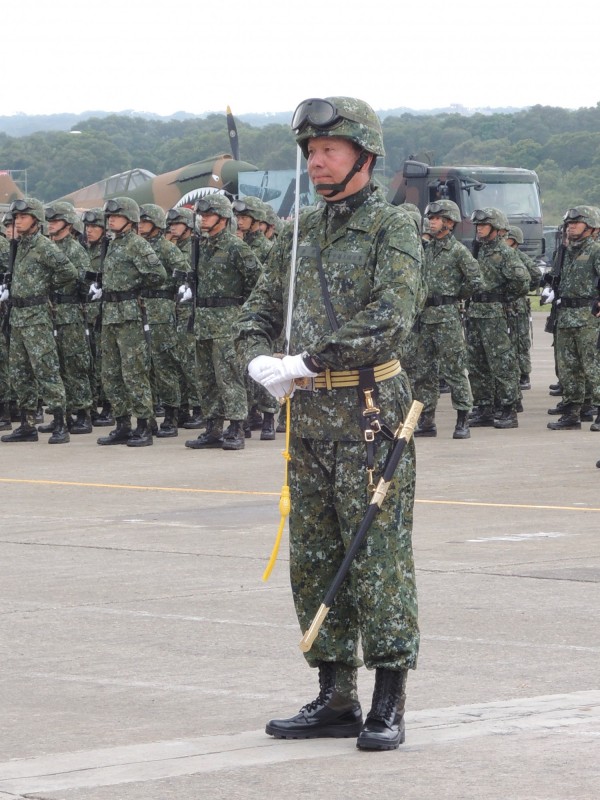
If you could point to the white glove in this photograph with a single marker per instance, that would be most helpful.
(269, 370)
(94, 292)
(547, 295)
(4, 293)
(184, 293)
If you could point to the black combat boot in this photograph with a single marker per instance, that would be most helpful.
(507, 419)
(482, 418)
(384, 725)
(255, 419)
(83, 423)
(159, 410)
(39, 414)
(335, 713)
(168, 427)
(60, 433)
(26, 432)
(15, 414)
(595, 426)
(105, 417)
(211, 438)
(268, 427)
(121, 433)
(426, 425)
(555, 390)
(247, 429)
(570, 420)
(281, 422)
(233, 437)
(461, 431)
(196, 420)
(5, 422)
(587, 412)
(524, 382)
(141, 436)
(47, 428)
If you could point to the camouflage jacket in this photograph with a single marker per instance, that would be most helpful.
(449, 269)
(71, 309)
(521, 306)
(160, 309)
(4, 256)
(579, 280)
(227, 270)
(259, 244)
(372, 268)
(502, 275)
(40, 269)
(130, 266)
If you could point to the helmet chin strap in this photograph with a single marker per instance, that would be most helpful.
(335, 188)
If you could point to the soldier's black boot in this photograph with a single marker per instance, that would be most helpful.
(15, 414)
(281, 422)
(268, 427)
(141, 436)
(426, 425)
(335, 713)
(105, 417)
(555, 390)
(384, 725)
(121, 433)
(83, 423)
(196, 420)
(60, 434)
(183, 415)
(595, 426)
(570, 420)
(482, 418)
(211, 438)
(247, 429)
(233, 437)
(26, 432)
(168, 427)
(507, 419)
(461, 431)
(255, 419)
(5, 423)
(587, 412)
(524, 382)
(47, 428)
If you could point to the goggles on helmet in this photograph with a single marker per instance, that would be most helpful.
(320, 114)
(572, 215)
(479, 216)
(20, 205)
(90, 218)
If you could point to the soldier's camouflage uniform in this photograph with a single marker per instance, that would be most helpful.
(130, 266)
(451, 274)
(492, 361)
(93, 314)
(189, 382)
(520, 317)
(370, 253)
(577, 330)
(227, 271)
(4, 379)
(40, 269)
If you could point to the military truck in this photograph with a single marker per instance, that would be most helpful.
(513, 190)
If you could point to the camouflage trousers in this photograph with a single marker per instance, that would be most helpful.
(125, 369)
(34, 367)
(75, 362)
(578, 361)
(376, 605)
(165, 370)
(520, 336)
(4, 377)
(492, 362)
(189, 381)
(408, 356)
(258, 396)
(94, 319)
(442, 352)
(221, 383)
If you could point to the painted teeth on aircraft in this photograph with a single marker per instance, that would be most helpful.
(196, 194)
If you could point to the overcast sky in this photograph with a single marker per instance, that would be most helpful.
(266, 55)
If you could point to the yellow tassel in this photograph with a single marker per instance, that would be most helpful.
(284, 497)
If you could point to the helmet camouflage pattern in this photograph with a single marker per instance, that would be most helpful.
(183, 215)
(490, 216)
(588, 214)
(215, 203)
(61, 210)
(443, 208)
(516, 233)
(413, 211)
(123, 207)
(29, 205)
(154, 214)
(252, 207)
(347, 117)
(94, 216)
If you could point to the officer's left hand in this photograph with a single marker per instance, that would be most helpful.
(547, 296)
(94, 292)
(279, 370)
(4, 293)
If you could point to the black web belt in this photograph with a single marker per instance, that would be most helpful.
(218, 302)
(27, 302)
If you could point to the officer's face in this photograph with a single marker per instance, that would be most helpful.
(178, 229)
(117, 222)
(484, 231)
(93, 233)
(437, 225)
(244, 222)
(577, 230)
(330, 159)
(23, 223)
(145, 227)
(58, 229)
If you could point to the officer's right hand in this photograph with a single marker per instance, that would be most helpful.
(4, 293)
(547, 295)
(266, 371)
(94, 292)
(184, 293)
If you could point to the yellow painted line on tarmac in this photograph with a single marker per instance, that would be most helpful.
(195, 490)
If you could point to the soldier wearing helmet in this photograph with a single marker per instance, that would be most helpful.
(577, 331)
(251, 215)
(451, 275)
(165, 365)
(130, 266)
(493, 370)
(5, 266)
(355, 291)
(226, 272)
(40, 269)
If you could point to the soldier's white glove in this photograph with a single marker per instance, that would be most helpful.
(278, 374)
(4, 293)
(547, 295)
(94, 292)
(184, 293)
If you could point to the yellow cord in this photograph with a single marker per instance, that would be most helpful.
(284, 497)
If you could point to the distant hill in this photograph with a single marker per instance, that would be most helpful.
(26, 124)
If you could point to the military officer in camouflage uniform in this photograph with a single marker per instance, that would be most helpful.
(520, 331)
(165, 372)
(72, 339)
(355, 294)
(5, 424)
(227, 271)
(577, 331)
(493, 368)
(40, 269)
(130, 266)
(451, 274)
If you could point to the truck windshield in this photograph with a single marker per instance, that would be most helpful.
(515, 199)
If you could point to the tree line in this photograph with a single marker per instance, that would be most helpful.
(561, 145)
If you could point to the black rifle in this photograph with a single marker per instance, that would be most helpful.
(553, 279)
(192, 276)
(6, 281)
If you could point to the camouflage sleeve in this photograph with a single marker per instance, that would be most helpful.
(515, 274)
(62, 270)
(469, 266)
(4, 254)
(150, 269)
(532, 268)
(173, 259)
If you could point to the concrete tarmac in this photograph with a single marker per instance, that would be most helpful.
(142, 653)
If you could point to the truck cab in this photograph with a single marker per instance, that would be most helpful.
(513, 190)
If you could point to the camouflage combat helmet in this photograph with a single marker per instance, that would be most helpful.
(182, 215)
(251, 207)
(516, 233)
(443, 208)
(413, 211)
(490, 216)
(61, 210)
(28, 206)
(215, 203)
(154, 214)
(94, 216)
(123, 207)
(587, 214)
(347, 117)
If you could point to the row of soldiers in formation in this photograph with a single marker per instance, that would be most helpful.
(141, 315)
(156, 319)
